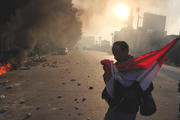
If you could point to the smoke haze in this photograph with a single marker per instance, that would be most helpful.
(97, 15)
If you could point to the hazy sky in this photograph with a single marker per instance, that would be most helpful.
(99, 19)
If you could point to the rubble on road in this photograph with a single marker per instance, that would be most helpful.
(32, 61)
(84, 99)
(76, 108)
(22, 101)
(88, 118)
(63, 83)
(4, 83)
(61, 108)
(91, 88)
(38, 108)
(3, 110)
(2, 97)
(59, 97)
(52, 65)
(24, 68)
(28, 115)
(72, 80)
(9, 87)
(79, 114)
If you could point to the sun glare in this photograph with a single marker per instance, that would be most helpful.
(122, 11)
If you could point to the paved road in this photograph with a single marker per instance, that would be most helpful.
(59, 89)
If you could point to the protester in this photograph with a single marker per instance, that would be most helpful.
(126, 99)
(129, 81)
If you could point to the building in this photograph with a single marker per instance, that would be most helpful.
(105, 46)
(105, 43)
(116, 36)
(154, 23)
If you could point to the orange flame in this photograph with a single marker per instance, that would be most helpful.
(4, 68)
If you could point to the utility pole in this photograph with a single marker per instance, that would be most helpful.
(138, 16)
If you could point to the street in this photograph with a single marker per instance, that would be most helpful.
(68, 87)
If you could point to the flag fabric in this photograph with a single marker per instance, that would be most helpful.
(142, 69)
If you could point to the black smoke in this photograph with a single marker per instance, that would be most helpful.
(24, 23)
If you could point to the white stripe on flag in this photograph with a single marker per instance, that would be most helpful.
(147, 77)
(110, 83)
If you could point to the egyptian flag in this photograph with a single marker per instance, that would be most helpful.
(142, 69)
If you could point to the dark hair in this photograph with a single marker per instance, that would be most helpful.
(119, 46)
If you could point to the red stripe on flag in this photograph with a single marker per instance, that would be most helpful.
(145, 61)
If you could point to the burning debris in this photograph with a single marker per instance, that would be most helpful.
(4, 68)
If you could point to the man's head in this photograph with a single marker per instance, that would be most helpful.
(120, 50)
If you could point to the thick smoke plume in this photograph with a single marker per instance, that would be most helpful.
(39, 20)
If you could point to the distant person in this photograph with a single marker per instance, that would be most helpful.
(126, 99)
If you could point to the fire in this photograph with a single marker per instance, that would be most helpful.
(4, 68)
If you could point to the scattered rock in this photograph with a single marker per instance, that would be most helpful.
(54, 109)
(53, 66)
(88, 76)
(63, 83)
(3, 110)
(38, 108)
(91, 88)
(75, 99)
(22, 101)
(88, 118)
(79, 114)
(2, 97)
(24, 68)
(43, 65)
(9, 102)
(84, 99)
(179, 115)
(17, 84)
(72, 80)
(61, 108)
(28, 115)
(9, 87)
(78, 84)
(59, 97)
(76, 108)
(4, 83)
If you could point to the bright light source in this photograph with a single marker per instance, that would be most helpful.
(122, 11)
